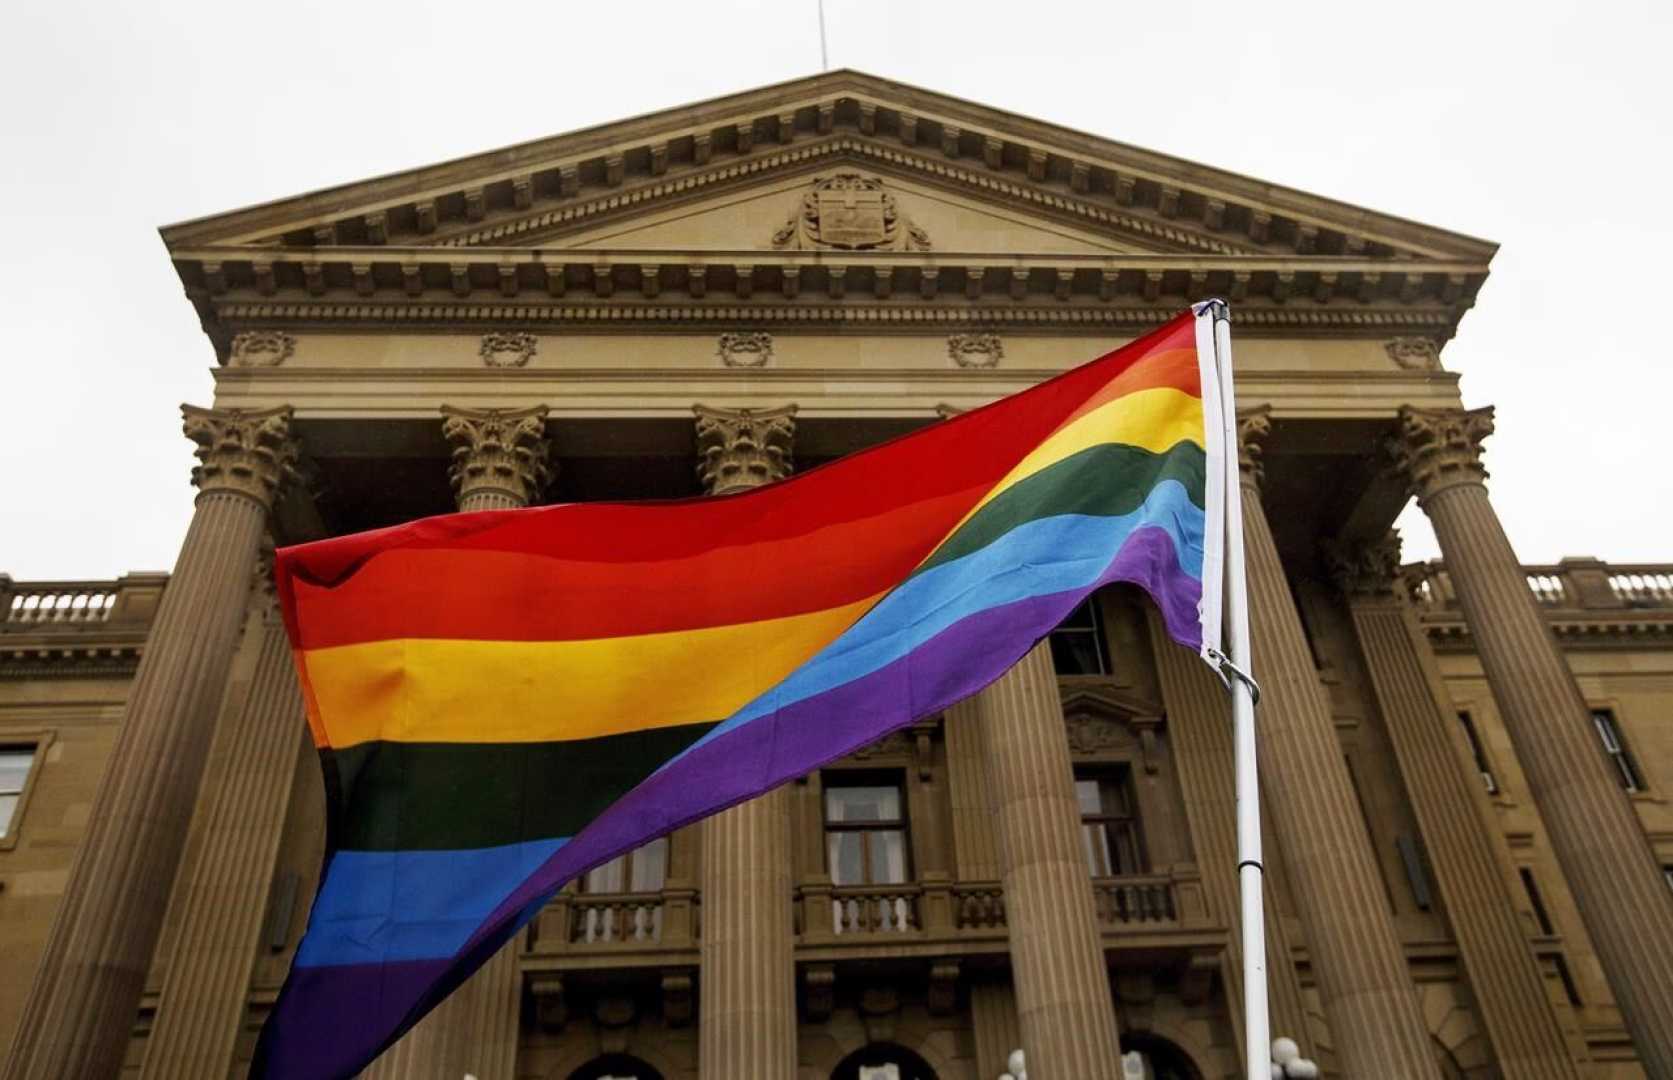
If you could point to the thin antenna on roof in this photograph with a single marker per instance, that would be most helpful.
(824, 56)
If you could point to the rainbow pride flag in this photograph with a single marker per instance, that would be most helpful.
(505, 700)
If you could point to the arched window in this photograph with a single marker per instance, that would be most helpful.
(615, 1067)
(883, 1061)
(1164, 1060)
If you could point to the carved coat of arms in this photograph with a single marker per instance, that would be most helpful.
(850, 212)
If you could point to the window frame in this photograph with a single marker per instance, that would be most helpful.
(1100, 641)
(864, 778)
(1478, 752)
(582, 889)
(1624, 763)
(1107, 776)
(36, 741)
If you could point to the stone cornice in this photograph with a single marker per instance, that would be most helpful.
(510, 183)
(240, 289)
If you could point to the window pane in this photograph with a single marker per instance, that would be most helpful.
(8, 803)
(14, 767)
(1095, 838)
(847, 858)
(888, 857)
(608, 878)
(1086, 793)
(1079, 619)
(650, 866)
(862, 804)
(1076, 652)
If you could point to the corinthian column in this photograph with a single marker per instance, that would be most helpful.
(499, 456)
(81, 1008)
(747, 1028)
(500, 462)
(1063, 1002)
(1364, 983)
(1610, 868)
(1446, 797)
(223, 890)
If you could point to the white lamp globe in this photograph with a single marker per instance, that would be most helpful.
(1017, 1063)
(1284, 1051)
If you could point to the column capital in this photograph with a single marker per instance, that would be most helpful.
(1253, 426)
(248, 452)
(1364, 570)
(497, 450)
(740, 449)
(1440, 448)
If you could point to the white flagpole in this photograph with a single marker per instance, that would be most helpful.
(1235, 669)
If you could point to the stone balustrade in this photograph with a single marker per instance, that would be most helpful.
(28, 607)
(1570, 585)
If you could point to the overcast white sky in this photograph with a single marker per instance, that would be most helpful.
(1543, 126)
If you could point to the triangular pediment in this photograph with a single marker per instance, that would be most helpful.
(711, 176)
(794, 212)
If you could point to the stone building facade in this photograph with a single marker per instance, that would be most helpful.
(1466, 763)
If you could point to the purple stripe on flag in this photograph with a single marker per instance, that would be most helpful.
(806, 734)
(332, 1018)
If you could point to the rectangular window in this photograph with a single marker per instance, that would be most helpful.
(1609, 734)
(1476, 752)
(642, 870)
(15, 763)
(865, 834)
(1109, 824)
(1077, 646)
(1537, 902)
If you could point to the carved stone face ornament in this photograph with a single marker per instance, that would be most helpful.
(849, 212)
(745, 350)
(507, 349)
(975, 350)
(261, 348)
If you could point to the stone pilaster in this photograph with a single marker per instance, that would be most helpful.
(500, 462)
(81, 1007)
(975, 848)
(1064, 1009)
(1199, 727)
(993, 1020)
(748, 1015)
(1447, 800)
(500, 456)
(1609, 865)
(1363, 980)
(223, 895)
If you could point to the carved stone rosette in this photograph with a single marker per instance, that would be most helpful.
(975, 350)
(849, 212)
(501, 451)
(246, 452)
(750, 349)
(507, 349)
(1414, 353)
(1253, 427)
(1440, 448)
(743, 448)
(1366, 569)
(261, 348)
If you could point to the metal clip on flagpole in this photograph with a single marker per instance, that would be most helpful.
(1234, 670)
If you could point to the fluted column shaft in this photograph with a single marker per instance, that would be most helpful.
(1608, 863)
(1509, 989)
(747, 1022)
(242, 816)
(1064, 1007)
(1200, 732)
(81, 1008)
(500, 462)
(1363, 980)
